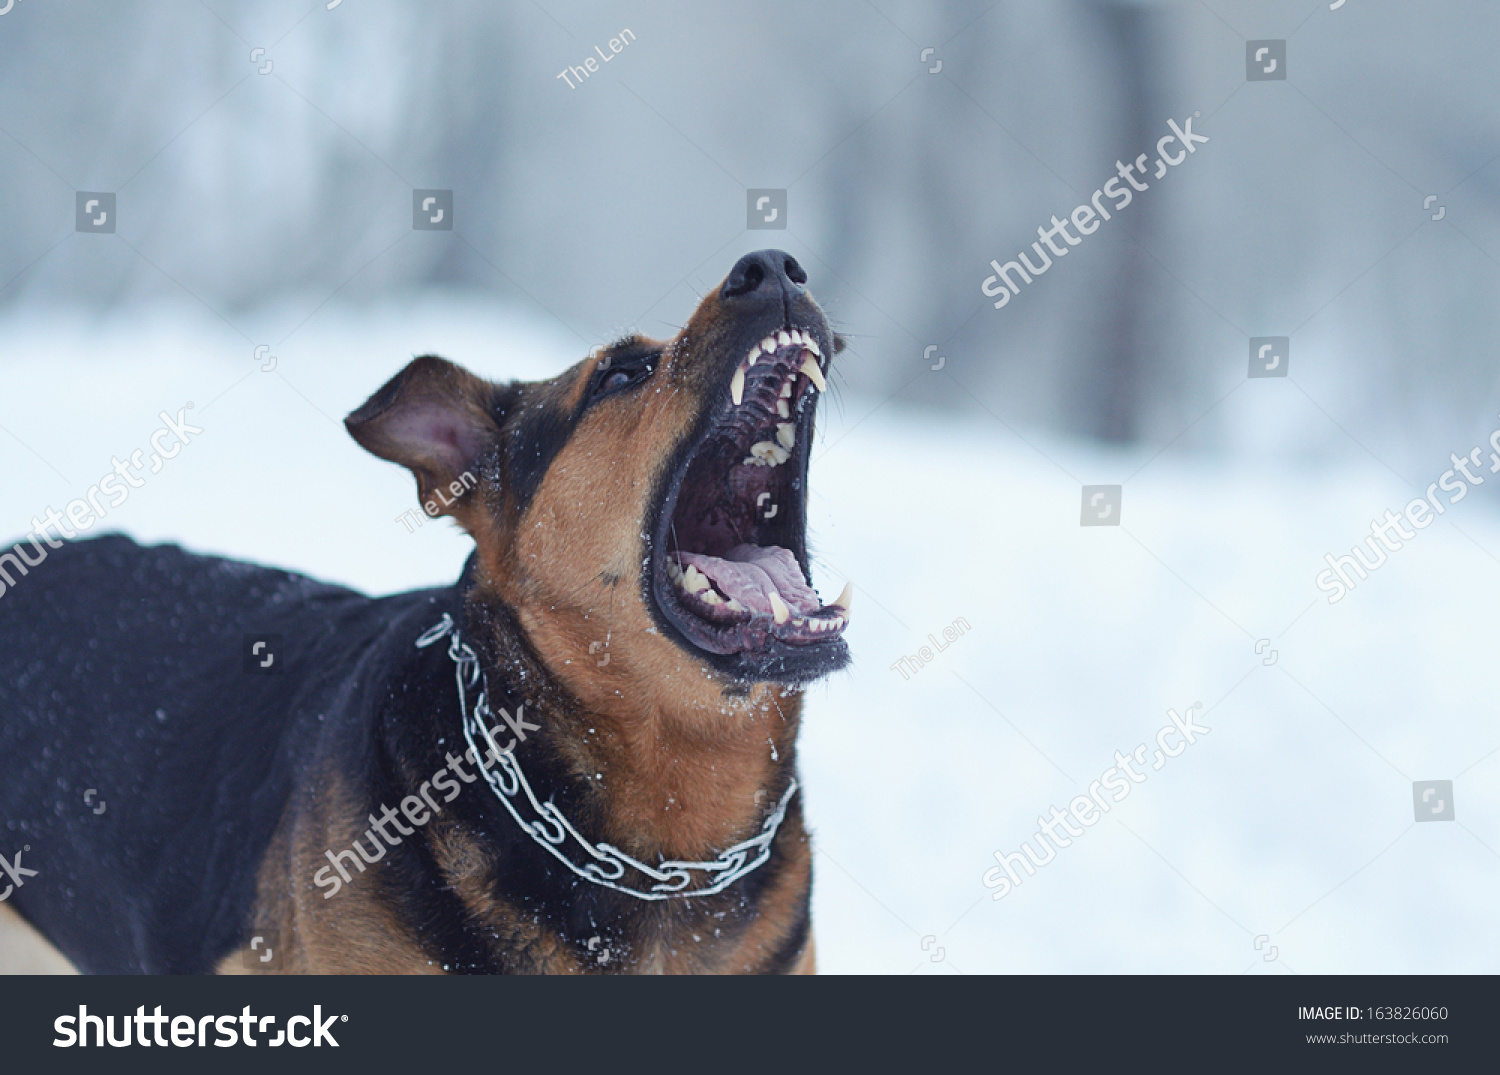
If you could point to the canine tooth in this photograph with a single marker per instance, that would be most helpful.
(737, 387)
(844, 599)
(784, 339)
(751, 357)
(786, 435)
(694, 580)
(782, 409)
(814, 374)
(768, 345)
(779, 611)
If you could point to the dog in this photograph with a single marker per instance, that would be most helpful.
(580, 758)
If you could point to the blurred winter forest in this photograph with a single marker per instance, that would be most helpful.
(916, 142)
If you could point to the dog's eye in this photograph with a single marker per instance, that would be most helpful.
(622, 373)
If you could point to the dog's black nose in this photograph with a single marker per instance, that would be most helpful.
(756, 271)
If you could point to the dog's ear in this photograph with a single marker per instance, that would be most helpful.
(438, 420)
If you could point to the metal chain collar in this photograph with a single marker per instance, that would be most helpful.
(605, 865)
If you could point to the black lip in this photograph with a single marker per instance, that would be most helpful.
(772, 660)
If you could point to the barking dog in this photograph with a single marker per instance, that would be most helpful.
(580, 757)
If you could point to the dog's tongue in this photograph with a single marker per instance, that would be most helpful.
(750, 573)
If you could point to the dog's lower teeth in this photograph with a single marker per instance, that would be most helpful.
(786, 435)
(782, 410)
(694, 580)
(767, 454)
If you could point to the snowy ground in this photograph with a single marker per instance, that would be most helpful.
(1289, 826)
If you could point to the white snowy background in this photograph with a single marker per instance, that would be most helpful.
(1353, 206)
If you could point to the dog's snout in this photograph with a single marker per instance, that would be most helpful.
(765, 272)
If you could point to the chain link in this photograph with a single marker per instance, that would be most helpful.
(605, 865)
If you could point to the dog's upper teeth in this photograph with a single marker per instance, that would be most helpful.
(843, 600)
(786, 435)
(737, 386)
(783, 409)
(814, 373)
(768, 454)
(786, 389)
(768, 345)
(784, 338)
(811, 344)
(779, 611)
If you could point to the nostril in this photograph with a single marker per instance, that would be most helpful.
(794, 272)
(746, 277)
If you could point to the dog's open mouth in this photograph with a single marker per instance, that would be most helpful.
(731, 569)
